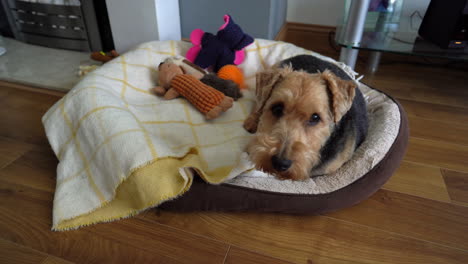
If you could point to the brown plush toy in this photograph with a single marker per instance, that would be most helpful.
(173, 82)
(227, 87)
(104, 57)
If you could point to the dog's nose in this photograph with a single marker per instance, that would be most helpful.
(280, 164)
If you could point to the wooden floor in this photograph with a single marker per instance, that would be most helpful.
(420, 216)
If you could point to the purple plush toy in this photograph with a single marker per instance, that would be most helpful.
(226, 47)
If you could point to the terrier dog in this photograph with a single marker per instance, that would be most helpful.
(308, 119)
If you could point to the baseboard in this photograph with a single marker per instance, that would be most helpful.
(308, 36)
(282, 32)
(301, 27)
(31, 88)
(309, 27)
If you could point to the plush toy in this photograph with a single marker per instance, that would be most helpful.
(233, 73)
(187, 66)
(104, 57)
(226, 86)
(173, 83)
(99, 56)
(226, 47)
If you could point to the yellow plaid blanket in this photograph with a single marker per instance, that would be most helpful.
(123, 150)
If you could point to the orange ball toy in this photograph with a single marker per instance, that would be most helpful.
(233, 73)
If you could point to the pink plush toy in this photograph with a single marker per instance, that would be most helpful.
(226, 47)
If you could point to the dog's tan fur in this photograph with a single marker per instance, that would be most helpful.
(290, 136)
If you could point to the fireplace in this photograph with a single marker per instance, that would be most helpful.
(65, 24)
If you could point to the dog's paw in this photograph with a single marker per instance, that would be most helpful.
(250, 124)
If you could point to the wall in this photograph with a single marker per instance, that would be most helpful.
(278, 11)
(318, 12)
(258, 18)
(167, 13)
(135, 22)
(328, 12)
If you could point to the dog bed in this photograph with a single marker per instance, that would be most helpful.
(122, 150)
(371, 166)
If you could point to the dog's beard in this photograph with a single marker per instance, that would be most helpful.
(264, 146)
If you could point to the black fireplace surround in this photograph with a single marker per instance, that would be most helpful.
(83, 27)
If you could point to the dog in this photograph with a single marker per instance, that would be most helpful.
(309, 118)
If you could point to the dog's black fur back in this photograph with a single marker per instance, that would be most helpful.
(313, 64)
(353, 124)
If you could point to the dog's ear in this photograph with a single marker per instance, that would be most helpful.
(342, 94)
(265, 83)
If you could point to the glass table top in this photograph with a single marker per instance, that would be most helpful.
(395, 30)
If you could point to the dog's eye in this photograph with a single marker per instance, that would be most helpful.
(314, 119)
(277, 109)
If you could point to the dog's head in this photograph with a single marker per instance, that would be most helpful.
(297, 112)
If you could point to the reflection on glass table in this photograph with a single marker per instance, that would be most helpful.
(408, 43)
(385, 26)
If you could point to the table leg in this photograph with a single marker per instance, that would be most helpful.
(374, 60)
(353, 31)
(349, 56)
